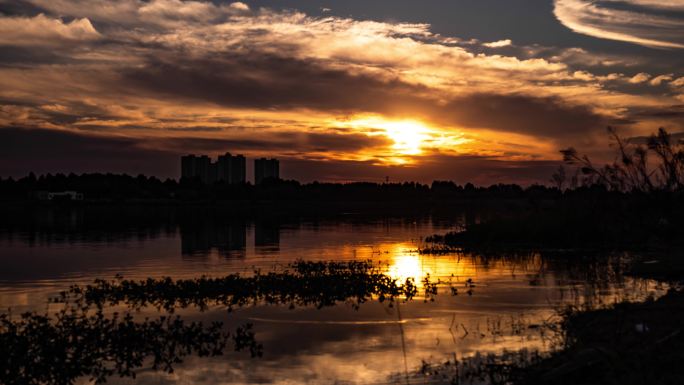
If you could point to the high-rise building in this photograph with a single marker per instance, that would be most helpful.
(188, 166)
(238, 170)
(228, 168)
(231, 169)
(202, 168)
(265, 169)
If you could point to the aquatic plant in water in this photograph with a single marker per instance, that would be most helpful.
(39, 349)
(83, 340)
(303, 283)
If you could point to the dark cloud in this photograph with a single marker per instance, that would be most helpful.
(545, 117)
(17, 56)
(343, 142)
(668, 112)
(270, 82)
(19, 8)
(672, 117)
(276, 141)
(42, 151)
(64, 114)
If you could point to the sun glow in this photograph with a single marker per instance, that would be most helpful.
(408, 136)
(406, 141)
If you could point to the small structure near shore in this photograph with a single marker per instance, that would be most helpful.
(60, 196)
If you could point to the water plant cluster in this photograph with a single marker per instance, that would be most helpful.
(84, 339)
(302, 283)
(72, 343)
(494, 369)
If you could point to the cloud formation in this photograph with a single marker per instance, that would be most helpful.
(190, 76)
(639, 78)
(498, 44)
(42, 30)
(650, 23)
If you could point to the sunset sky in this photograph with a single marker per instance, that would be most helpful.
(340, 90)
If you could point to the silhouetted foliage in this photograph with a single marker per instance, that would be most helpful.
(632, 170)
(38, 349)
(83, 340)
(319, 284)
(113, 188)
(630, 203)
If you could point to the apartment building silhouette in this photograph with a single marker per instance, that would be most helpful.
(227, 168)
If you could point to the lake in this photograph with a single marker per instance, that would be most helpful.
(485, 304)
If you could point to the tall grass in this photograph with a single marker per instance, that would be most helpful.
(657, 164)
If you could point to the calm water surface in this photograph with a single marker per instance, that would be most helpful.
(511, 300)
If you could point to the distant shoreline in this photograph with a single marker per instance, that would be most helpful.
(330, 205)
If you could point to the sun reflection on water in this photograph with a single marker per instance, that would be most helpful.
(407, 266)
(407, 263)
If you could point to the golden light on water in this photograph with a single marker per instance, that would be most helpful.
(407, 266)
(407, 263)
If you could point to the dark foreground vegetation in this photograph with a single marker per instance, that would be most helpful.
(72, 343)
(583, 218)
(635, 202)
(625, 343)
(630, 343)
(303, 284)
(86, 338)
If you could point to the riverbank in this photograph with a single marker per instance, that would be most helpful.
(629, 343)
(626, 343)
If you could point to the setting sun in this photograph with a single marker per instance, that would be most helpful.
(408, 136)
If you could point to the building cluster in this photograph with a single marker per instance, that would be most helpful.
(228, 168)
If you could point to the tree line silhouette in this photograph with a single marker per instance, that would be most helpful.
(654, 164)
(126, 188)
